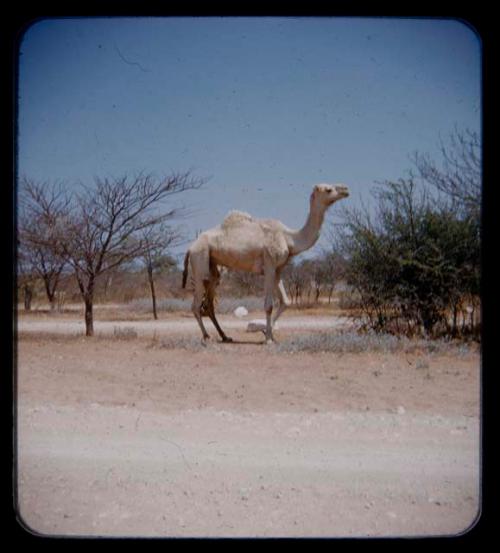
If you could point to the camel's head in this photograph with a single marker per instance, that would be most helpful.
(327, 194)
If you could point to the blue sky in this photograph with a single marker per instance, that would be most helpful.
(266, 107)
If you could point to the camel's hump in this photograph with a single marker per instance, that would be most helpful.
(236, 218)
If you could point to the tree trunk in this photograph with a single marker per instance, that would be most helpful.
(28, 296)
(330, 294)
(454, 330)
(89, 316)
(49, 280)
(153, 292)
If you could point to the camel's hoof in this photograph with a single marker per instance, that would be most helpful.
(269, 341)
(227, 340)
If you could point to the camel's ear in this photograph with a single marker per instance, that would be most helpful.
(315, 191)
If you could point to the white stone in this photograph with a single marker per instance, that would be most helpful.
(259, 324)
(256, 325)
(240, 312)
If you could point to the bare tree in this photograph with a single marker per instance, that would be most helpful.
(297, 279)
(459, 176)
(329, 271)
(41, 208)
(459, 180)
(242, 282)
(107, 224)
(25, 276)
(157, 239)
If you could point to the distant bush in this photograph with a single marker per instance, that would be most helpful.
(171, 305)
(228, 305)
(174, 305)
(167, 305)
(241, 284)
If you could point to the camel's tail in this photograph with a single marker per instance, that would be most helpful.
(185, 272)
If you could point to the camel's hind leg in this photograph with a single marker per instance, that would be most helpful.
(210, 296)
(199, 295)
(269, 286)
(211, 314)
(199, 260)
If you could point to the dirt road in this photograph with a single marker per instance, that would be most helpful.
(186, 324)
(126, 438)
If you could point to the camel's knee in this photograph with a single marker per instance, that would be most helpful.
(197, 304)
(268, 305)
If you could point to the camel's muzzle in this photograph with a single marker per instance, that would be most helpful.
(342, 191)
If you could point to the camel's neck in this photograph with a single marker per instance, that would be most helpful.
(307, 236)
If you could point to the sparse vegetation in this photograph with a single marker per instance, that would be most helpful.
(102, 227)
(190, 343)
(42, 208)
(355, 342)
(409, 266)
(414, 261)
(125, 333)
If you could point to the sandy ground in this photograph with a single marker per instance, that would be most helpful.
(128, 438)
(181, 324)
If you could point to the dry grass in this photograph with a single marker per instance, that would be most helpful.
(355, 342)
(338, 342)
(124, 333)
(189, 343)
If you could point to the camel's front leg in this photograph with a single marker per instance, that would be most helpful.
(283, 303)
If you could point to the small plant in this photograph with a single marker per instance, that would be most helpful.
(422, 364)
(124, 333)
(181, 342)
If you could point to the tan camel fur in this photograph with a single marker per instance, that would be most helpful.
(261, 246)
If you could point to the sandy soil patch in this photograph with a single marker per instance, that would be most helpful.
(125, 437)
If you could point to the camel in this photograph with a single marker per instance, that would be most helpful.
(262, 246)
